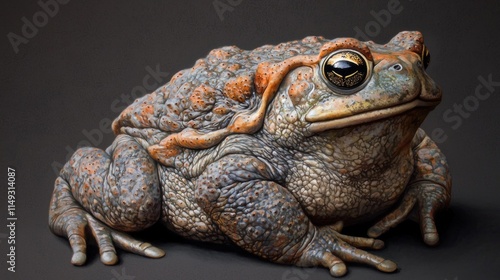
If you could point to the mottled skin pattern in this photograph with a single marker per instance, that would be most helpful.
(253, 148)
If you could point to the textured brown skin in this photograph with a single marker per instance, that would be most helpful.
(225, 153)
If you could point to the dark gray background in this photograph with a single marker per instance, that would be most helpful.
(66, 78)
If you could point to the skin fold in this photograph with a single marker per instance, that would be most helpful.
(272, 150)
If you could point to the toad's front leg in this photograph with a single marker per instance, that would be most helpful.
(428, 191)
(264, 218)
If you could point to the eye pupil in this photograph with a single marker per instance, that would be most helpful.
(345, 70)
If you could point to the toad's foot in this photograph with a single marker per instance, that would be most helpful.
(330, 249)
(73, 224)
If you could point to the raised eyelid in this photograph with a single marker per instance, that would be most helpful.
(345, 43)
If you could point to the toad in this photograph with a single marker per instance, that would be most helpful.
(272, 150)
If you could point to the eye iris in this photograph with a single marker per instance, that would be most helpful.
(346, 69)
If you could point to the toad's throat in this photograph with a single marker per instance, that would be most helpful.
(370, 116)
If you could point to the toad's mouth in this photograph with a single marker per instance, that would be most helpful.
(370, 116)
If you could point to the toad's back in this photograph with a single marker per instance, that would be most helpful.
(206, 96)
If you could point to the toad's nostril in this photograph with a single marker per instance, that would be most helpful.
(397, 67)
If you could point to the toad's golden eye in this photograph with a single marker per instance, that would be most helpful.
(345, 71)
(425, 56)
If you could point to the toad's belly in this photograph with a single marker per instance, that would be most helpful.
(328, 196)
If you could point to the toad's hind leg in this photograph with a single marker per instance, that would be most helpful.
(104, 193)
(264, 218)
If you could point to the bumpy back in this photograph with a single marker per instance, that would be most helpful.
(206, 96)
